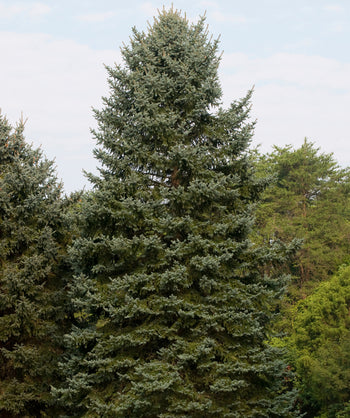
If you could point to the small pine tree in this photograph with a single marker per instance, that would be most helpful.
(172, 308)
(32, 301)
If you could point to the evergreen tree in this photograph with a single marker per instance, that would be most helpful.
(32, 301)
(172, 309)
(309, 200)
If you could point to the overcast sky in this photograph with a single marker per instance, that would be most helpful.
(296, 54)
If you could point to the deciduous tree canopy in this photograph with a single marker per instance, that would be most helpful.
(320, 348)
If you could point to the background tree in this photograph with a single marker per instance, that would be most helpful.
(33, 237)
(320, 348)
(310, 200)
(172, 310)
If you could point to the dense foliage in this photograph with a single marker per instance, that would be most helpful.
(310, 200)
(320, 348)
(172, 307)
(156, 293)
(33, 305)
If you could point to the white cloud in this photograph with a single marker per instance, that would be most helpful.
(307, 9)
(303, 43)
(38, 9)
(298, 69)
(227, 17)
(10, 11)
(209, 4)
(149, 9)
(221, 17)
(338, 27)
(333, 8)
(296, 96)
(32, 9)
(96, 17)
(54, 83)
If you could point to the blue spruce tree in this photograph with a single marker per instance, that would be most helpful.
(172, 305)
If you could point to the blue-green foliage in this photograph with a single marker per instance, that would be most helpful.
(172, 308)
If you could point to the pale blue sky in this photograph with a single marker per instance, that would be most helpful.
(296, 53)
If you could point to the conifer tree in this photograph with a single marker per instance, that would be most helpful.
(32, 301)
(172, 309)
(310, 200)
